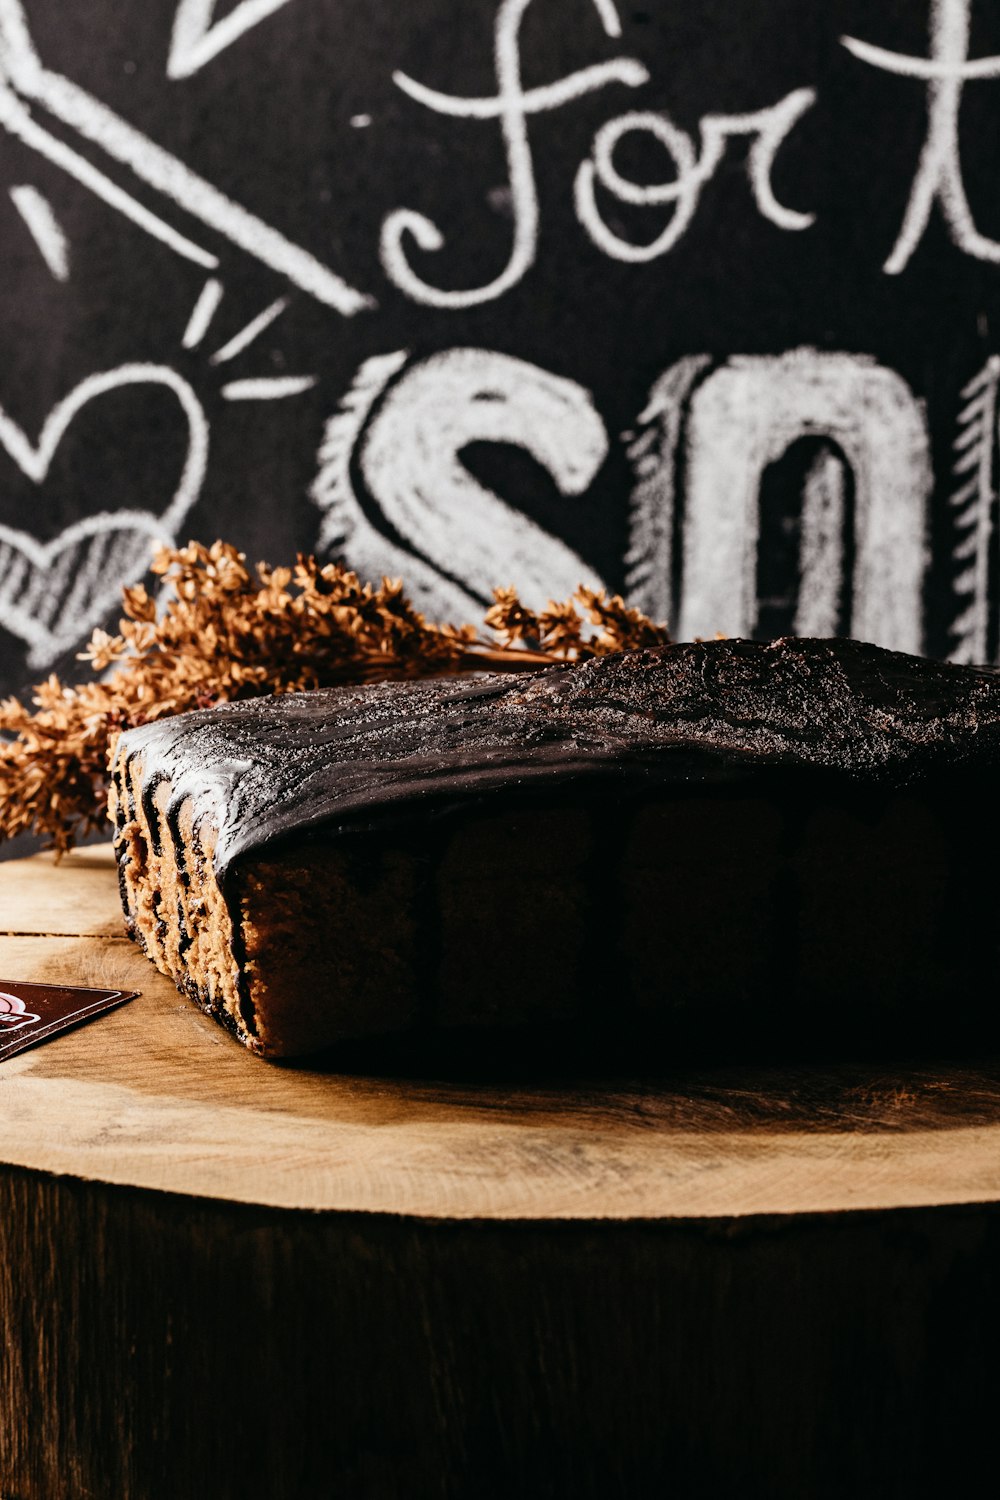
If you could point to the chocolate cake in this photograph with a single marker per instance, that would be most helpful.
(731, 836)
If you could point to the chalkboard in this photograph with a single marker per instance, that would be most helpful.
(699, 301)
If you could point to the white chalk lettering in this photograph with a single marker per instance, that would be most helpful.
(692, 170)
(939, 175)
(346, 532)
(512, 105)
(652, 452)
(745, 416)
(464, 538)
(699, 454)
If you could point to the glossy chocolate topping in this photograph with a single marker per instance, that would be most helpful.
(344, 758)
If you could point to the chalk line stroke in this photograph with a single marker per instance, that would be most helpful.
(252, 331)
(202, 313)
(264, 388)
(511, 105)
(607, 10)
(43, 226)
(939, 174)
(974, 502)
(406, 429)
(151, 164)
(652, 451)
(52, 593)
(16, 120)
(197, 37)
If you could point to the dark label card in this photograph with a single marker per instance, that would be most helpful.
(34, 1013)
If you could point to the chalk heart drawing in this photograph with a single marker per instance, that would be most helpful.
(53, 593)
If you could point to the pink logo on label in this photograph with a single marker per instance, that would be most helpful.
(13, 1014)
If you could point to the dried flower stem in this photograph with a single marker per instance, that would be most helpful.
(232, 632)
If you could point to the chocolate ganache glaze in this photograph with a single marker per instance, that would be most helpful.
(334, 759)
(743, 833)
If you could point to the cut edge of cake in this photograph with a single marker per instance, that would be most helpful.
(312, 927)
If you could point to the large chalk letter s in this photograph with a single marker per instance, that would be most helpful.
(403, 430)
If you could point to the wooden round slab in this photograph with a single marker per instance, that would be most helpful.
(224, 1277)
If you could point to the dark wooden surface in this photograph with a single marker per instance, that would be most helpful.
(158, 1347)
(709, 1283)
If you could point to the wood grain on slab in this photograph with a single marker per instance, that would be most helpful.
(75, 897)
(570, 1290)
(157, 1096)
(163, 1348)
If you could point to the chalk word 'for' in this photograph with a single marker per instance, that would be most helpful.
(946, 71)
(513, 104)
(27, 86)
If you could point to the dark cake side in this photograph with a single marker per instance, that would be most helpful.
(731, 827)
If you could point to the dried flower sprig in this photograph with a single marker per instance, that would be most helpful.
(558, 632)
(230, 631)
